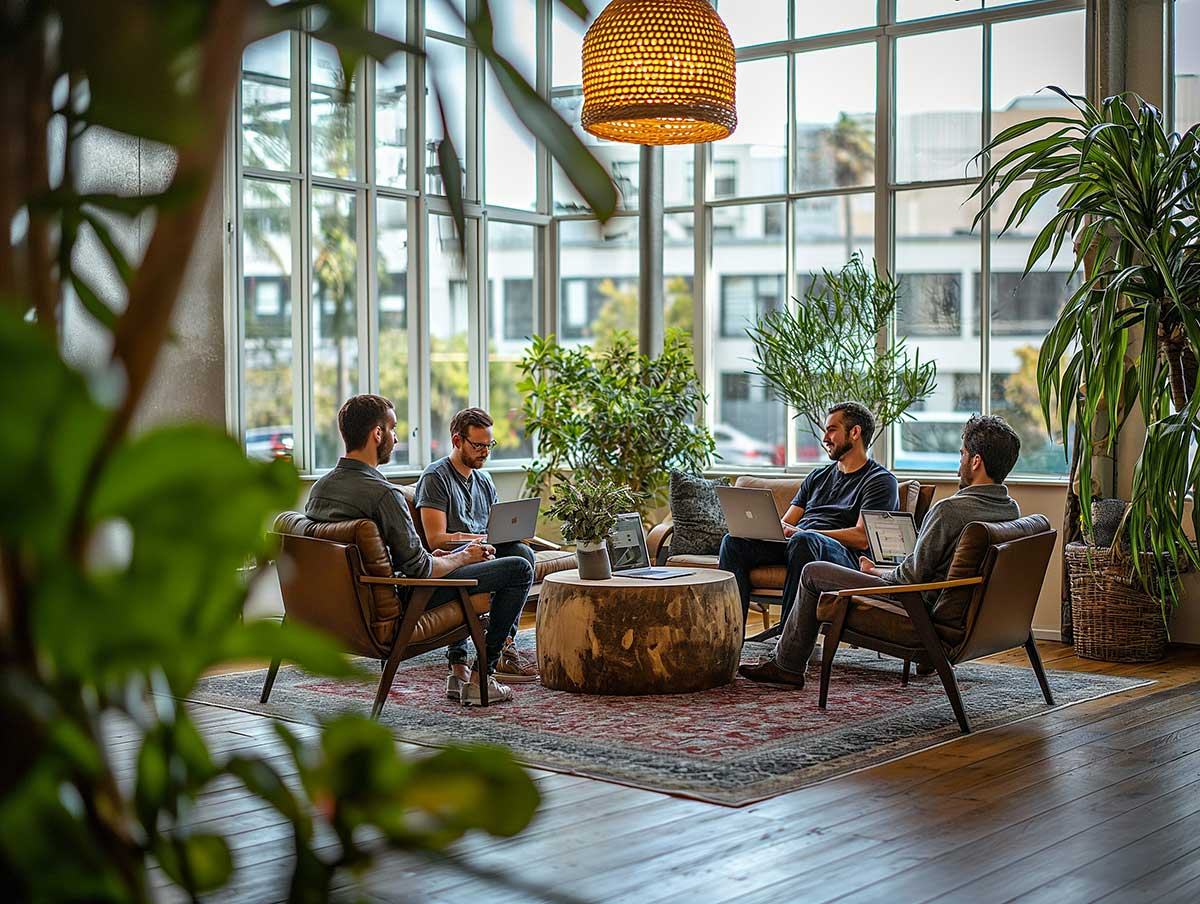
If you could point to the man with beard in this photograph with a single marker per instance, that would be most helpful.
(454, 499)
(822, 524)
(989, 450)
(356, 489)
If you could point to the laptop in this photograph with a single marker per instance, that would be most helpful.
(628, 555)
(511, 522)
(751, 513)
(890, 535)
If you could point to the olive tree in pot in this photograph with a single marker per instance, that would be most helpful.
(1128, 192)
(588, 510)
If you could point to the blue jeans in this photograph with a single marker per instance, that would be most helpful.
(508, 578)
(739, 555)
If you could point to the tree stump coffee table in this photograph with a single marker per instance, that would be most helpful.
(637, 636)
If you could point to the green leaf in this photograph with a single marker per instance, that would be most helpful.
(452, 178)
(197, 863)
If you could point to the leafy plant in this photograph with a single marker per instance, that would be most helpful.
(120, 553)
(588, 508)
(1128, 194)
(613, 414)
(825, 349)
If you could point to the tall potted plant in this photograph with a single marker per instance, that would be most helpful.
(588, 511)
(1128, 192)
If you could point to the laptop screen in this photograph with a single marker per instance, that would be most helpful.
(627, 543)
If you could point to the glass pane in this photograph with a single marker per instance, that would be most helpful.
(567, 61)
(1187, 64)
(395, 373)
(753, 161)
(920, 9)
(1023, 310)
(835, 117)
(334, 316)
(391, 102)
(1027, 55)
(748, 260)
(333, 133)
(679, 175)
(754, 23)
(679, 262)
(447, 74)
(828, 231)
(267, 103)
(512, 298)
(825, 18)
(598, 279)
(446, 16)
(449, 376)
(267, 296)
(937, 259)
(509, 151)
(938, 91)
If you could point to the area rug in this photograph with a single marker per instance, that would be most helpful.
(732, 745)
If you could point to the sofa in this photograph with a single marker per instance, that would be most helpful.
(767, 581)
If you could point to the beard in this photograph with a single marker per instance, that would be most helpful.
(838, 452)
(384, 452)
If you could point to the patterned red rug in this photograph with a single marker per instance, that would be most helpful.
(731, 746)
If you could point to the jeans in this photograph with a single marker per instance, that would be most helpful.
(800, 628)
(739, 555)
(508, 578)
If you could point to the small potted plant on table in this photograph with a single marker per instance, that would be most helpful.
(588, 510)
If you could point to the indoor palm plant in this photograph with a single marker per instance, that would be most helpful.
(588, 510)
(1128, 193)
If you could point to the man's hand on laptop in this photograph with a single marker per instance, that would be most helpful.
(788, 529)
(461, 536)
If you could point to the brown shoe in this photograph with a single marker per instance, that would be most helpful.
(768, 671)
(513, 669)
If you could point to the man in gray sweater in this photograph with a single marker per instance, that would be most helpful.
(989, 450)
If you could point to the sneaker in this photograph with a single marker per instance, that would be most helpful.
(454, 687)
(513, 670)
(497, 693)
(768, 671)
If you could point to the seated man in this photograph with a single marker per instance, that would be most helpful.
(989, 450)
(822, 523)
(355, 489)
(454, 498)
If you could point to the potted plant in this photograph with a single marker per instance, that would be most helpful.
(824, 349)
(1128, 193)
(588, 510)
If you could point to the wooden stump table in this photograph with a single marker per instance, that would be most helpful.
(638, 636)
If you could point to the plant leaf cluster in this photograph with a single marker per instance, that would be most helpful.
(613, 413)
(1127, 192)
(588, 507)
(824, 349)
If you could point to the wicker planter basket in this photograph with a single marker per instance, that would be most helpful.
(1115, 620)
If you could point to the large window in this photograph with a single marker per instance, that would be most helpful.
(855, 135)
(1185, 68)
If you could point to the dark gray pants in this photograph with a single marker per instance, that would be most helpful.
(799, 634)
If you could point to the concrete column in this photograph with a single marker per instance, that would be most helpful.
(650, 251)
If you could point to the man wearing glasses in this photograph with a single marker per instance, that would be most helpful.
(455, 498)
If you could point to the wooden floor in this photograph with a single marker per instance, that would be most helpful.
(1096, 802)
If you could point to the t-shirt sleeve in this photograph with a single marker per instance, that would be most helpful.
(882, 492)
(409, 557)
(492, 489)
(802, 495)
(432, 492)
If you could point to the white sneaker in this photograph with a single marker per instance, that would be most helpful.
(454, 687)
(497, 693)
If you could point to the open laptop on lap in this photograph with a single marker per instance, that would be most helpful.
(751, 513)
(628, 555)
(890, 535)
(511, 522)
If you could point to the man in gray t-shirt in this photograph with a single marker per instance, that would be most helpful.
(454, 498)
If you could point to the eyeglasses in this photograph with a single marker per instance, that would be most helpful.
(479, 447)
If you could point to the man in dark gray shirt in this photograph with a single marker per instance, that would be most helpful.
(989, 450)
(356, 489)
(455, 498)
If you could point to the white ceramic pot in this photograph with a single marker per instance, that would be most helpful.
(593, 561)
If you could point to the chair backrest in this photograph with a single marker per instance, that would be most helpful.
(784, 489)
(364, 617)
(409, 492)
(916, 498)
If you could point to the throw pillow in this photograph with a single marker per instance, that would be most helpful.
(696, 513)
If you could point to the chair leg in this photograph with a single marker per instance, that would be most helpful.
(950, 683)
(385, 681)
(408, 624)
(833, 637)
(919, 616)
(477, 638)
(904, 674)
(1035, 660)
(271, 673)
(766, 616)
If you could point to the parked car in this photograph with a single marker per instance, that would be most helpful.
(737, 448)
(269, 443)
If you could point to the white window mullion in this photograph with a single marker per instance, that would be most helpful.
(984, 302)
(303, 433)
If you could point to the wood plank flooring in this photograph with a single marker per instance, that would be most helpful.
(1097, 802)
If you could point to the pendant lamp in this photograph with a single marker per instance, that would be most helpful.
(658, 72)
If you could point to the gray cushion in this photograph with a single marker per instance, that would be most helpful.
(696, 514)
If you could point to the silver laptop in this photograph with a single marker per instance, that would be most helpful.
(628, 554)
(511, 522)
(751, 513)
(890, 535)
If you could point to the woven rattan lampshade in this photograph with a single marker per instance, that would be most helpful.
(658, 72)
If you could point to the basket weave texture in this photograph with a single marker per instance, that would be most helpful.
(1115, 620)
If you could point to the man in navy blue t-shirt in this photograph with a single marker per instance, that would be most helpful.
(823, 523)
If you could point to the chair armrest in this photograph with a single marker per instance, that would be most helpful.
(658, 537)
(538, 543)
(898, 589)
(418, 582)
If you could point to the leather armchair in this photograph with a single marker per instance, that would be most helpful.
(984, 606)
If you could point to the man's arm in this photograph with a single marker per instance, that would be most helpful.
(791, 518)
(850, 537)
(434, 522)
(881, 494)
(921, 565)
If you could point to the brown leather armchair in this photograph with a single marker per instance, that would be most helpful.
(984, 606)
(767, 581)
(337, 577)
